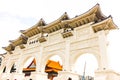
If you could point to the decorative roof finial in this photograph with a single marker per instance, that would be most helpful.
(41, 22)
(22, 31)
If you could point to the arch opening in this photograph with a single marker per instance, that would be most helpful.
(4, 69)
(53, 66)
(29, 66)
(86, 64)
(13, 68)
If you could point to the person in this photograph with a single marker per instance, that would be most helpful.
(69, 78)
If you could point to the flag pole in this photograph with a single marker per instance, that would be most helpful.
(83, 78)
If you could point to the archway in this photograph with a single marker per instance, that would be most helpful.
(86, 64)
(53, 66)
(56, 58)
(29, 66)
(13, 68)
(4, 69)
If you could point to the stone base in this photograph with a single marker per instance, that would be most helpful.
(17, 76)
(5, 76)
(38, 76)
(106, 75)
(20, 76)
(64, 75)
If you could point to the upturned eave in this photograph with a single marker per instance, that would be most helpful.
(106, 24)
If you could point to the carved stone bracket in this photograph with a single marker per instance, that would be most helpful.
(43, 35)
(42, 39)
(22, 46)
(67, 34)
(67, 31)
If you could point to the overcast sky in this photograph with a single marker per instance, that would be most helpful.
(16, 15)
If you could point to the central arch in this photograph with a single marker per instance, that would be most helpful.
(52, 64)
(47, 56)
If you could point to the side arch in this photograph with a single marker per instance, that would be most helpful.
(74, 56)
(3, 69)
(23, 62)
(3, 65)
(10, 66)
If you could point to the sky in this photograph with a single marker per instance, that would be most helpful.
(16, 15)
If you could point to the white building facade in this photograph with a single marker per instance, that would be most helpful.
(65, 37)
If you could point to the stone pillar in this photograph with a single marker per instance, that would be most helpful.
(103, 60)
(104, 73)
(19, 65)
(17, 76)
(66, 65)
(38, 76)
(38, 62)
(8, 67)
(67, 72)
(64, 75)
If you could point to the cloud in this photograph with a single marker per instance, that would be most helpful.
(48, 9)
(52, 9)
(10, 26)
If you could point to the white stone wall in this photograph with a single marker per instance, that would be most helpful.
(84, 40)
